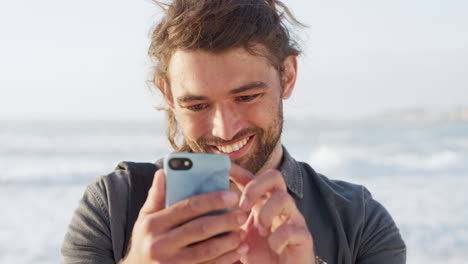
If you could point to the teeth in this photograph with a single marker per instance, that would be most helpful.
(229, 149)
(237, 146)
(233, 147)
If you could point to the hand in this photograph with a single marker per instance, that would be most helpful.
(276, 230)
(167, 235)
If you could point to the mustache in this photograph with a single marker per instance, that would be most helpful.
(220, 141)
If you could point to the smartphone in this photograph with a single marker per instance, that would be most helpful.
(190, 174)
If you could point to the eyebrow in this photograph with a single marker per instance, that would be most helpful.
(247, 87)
(189, 98)
(243, 88)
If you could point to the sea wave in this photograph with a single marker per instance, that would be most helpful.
(36, 144)
(52, 172)
(339, 157)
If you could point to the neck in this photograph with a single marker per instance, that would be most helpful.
(274, 160)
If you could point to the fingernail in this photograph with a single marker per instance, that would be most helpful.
(243, 249)
(229, 198)
(241, 218)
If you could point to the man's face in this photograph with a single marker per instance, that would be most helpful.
(228, 103)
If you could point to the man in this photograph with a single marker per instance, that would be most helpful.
(224, 67)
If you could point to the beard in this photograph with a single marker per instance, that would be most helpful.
(266, 140)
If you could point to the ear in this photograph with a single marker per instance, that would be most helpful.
(289, 76)
(164, 87)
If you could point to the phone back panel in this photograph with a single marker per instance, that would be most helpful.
(209, 173)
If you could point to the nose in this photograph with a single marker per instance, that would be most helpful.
(226, 122)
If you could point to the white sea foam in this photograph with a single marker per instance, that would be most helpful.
(334, 157)
(54, 170)
(430, 161)
(328, 157)
(12, 144)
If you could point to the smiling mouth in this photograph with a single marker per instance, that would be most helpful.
(233, 147)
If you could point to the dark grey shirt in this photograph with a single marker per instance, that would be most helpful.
(347, 224)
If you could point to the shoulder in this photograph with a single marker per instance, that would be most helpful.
(367, 224)
(107, 196)
(116, 181)
(121, 179)
(352, 204)
(116, 187)
(98, 229)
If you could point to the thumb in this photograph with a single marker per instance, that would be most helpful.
(240, 176)
(156, 199)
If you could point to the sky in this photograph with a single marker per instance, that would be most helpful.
(62, 59)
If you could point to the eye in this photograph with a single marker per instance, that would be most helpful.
(247, 98)
(197, 107)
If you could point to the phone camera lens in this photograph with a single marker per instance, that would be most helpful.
(175, 163)
(180, 164)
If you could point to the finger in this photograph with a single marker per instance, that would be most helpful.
(156, 195)
(278, 209)
(172, 242)
(194, 207)
(216, 250)
(259, 187)
(231, 257)
(188, 209)
(292, 237)
(205, 227)
(240, 176)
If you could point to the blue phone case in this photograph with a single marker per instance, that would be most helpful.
(208, 173)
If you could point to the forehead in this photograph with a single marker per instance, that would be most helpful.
(198, 71)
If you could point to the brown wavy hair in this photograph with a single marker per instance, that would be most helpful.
(216, 26)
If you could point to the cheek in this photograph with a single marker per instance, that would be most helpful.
(254, 115)
(261, 115)
(192, 127)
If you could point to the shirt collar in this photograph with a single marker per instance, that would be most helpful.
(292, 173)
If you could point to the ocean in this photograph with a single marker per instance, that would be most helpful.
(417, 169)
